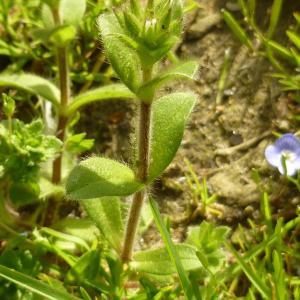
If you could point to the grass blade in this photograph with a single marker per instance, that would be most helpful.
(186, 284)
(34, 285)
(237, 30)
(275, 14)
(254, 278)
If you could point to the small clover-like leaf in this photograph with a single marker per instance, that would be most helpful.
(98, 177)
(170, 114)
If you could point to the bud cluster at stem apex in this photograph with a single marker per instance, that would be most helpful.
(154, 28)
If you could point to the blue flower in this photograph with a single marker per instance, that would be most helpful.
(285, 150)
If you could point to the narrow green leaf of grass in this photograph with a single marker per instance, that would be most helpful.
(34, 285)
(254, 278)
(65, 237)
(294, 37)
(237, 30)
(290, 225)
(243, 8)
(279, 276)
(252, 9)
(280, 50)
(267, 211)
(186, 284)
(275, 14)
(84, 294)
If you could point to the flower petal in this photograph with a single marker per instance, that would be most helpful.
(273, 156)
(288, 142)
(291, 169)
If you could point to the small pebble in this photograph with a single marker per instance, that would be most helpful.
(235, 139)
(249, 209)
(233, 6)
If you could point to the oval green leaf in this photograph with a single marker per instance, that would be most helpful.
(98, 177)
(72, 13)
(123, 59)
(33, 84)
(186, 70)
(158, 261)
(106, 213)
(170, 114)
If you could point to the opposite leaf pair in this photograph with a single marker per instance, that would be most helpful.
(98, 177)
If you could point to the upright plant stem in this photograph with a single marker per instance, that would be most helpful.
(63, 74)
(62, 59)
(141, 173)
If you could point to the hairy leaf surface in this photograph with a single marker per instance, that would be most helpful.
(185, 70)
(124, 59)
(170, 114)
(98, 176)
(106, 214)
(158, 261)
(107, 92)
(33, 84)
(72, 13)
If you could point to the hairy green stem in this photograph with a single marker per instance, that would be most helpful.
(63, 74)
(141, 173)
(62, 59)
